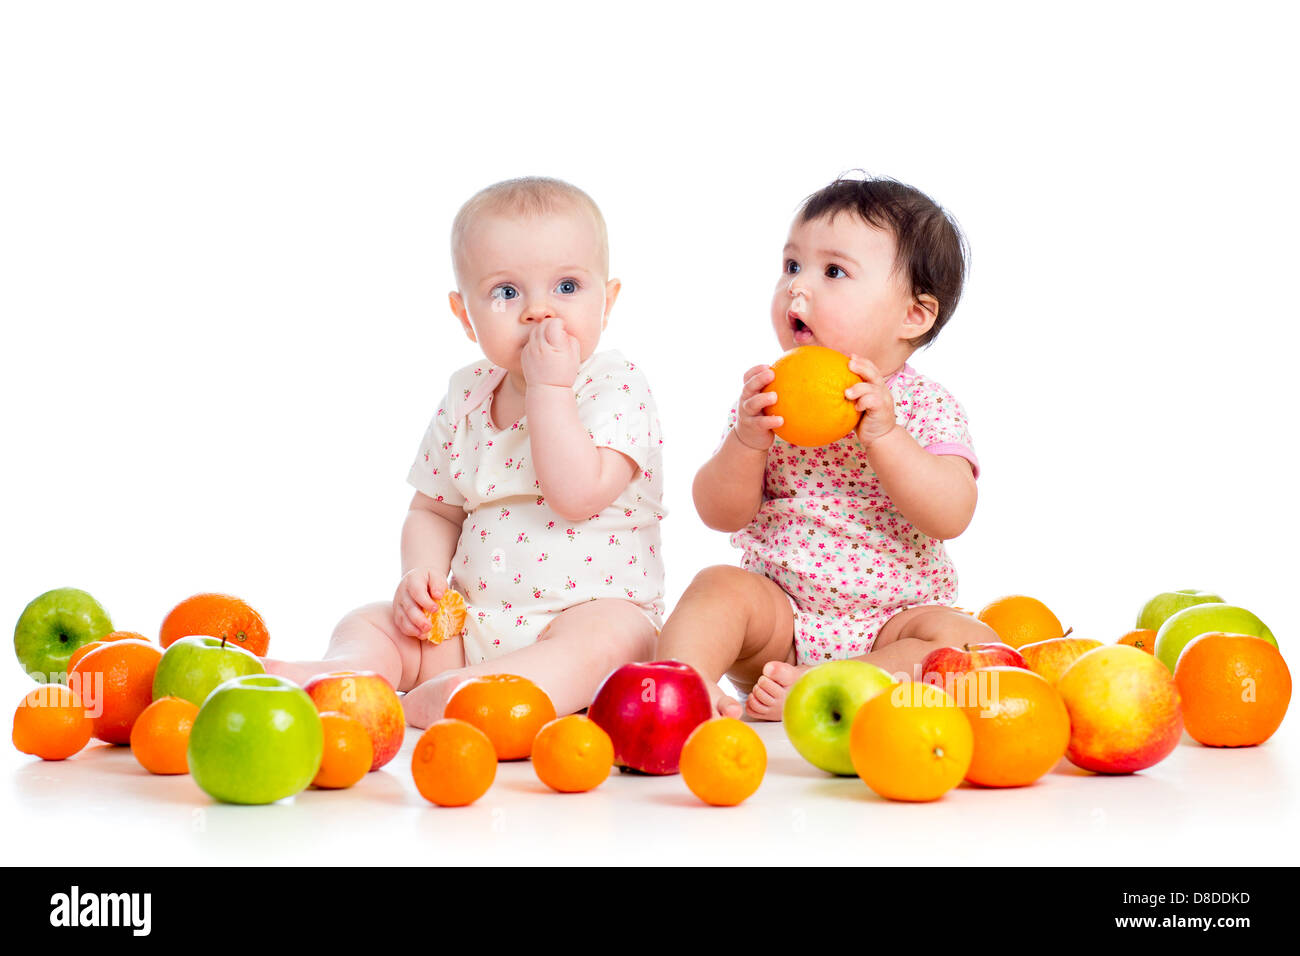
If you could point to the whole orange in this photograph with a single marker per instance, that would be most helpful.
(116, 685)
(51, 722)
(216, 615)
(911, 742)
(723, 761)
(1021, 728)
(1143, 640)
(161, 735)
(448, 618)
(509, 709)
(348, 752)
(369, 698)
(572, 754)
(809, 386)
(85, 649)
(1019, 620)
(453, 763)
(1235, 689)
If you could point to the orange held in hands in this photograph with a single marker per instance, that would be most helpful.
(51, 723)
(723, 761)
(911, 742)
(348, 752)
(509, 709)
(161, 735)
(1235, 689)
(216, 615)
(1020, 730)
(448, 618)
(453, 763)
(1020, 620)
(573, 754)
(809, 385)
(116, 682)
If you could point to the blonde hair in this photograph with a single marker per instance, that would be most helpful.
(526, 196)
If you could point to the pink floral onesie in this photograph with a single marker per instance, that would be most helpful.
(832, 539)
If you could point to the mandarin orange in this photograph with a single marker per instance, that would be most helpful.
(508, 708)
(1235, 689)
(809, 385)
(51, 722)
(453, 763)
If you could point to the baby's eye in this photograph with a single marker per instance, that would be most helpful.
(505, 291)
(791, 267)
(832, 269)
(567, 286)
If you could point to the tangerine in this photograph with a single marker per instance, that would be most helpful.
(1235, 689)
(51, 722)
(810, 383)
(448, 618)
(453, 763)
(85, 649)
(216, 615)
(911, 742)
(723, 761)
(1021, 620)
(116, 684)
(573, 754)
(161, 735)
(508, 708)
(348, 751)
(1142, 639)
(1020, 731)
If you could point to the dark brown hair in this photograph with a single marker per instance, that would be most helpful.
(932, 251)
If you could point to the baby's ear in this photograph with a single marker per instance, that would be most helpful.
(920, 316)
(612, 288)
(458, 308)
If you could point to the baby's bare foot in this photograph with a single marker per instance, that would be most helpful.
(724, 704)
(768, 696)
(297, 671)
(425, 704)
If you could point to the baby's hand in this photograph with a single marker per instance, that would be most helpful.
(873, 399)
(551, 355)
(419, 591)
(753, 428)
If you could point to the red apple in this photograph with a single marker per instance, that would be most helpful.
(945, 666)
(369, 698)
(649, 710)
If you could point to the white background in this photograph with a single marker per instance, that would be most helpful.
(224, 268)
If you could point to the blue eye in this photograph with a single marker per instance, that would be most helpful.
(567, 286)
(504, 291)
(836, 269)
(791, 266)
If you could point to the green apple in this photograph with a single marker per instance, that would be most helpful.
(1161, 607)
(193, 666)
(820, 707)
(1192, 622)
(256, 739)
(54, 625)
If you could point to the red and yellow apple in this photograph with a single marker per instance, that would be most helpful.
(1125, 713)
(1051, 659)
(369, 698)
(946, 666)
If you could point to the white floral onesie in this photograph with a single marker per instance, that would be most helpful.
(518, 563)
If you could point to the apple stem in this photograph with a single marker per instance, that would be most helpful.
(223, 640)
(1068, 632)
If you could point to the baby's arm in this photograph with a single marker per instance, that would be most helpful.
(728, 488)
(429, 538)
(577, 478)
(936, 493)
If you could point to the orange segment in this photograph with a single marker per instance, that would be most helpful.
(453, 763)
(51, 723)
(911, 742)
(572, 754)
(1021, 620)
(723, 761)
(448, 618)
(1235, 689)
(809, 385)
(216, 615)
(161, 734)
(509, 709)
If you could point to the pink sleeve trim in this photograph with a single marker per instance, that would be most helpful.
(958, 449)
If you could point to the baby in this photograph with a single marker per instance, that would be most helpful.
(843, 553)
(539, 479)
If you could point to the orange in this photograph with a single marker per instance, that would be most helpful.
(723, 761)
(1020, 727)
(85, 649)
(161, 735)
(116, 684)
(1235, 689)
(216, 615)
(1021, 620)
(51, 723)
(572, 754)
(1143, 640)
(348, 751)
(911, 742)
(448, 618)
(809, 385)
(509, 709)
(453, 763)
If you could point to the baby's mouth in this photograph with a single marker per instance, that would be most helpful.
(802, 334)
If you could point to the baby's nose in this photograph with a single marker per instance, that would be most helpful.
(537, 311)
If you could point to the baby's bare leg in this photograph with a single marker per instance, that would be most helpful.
(911, 634)
(575, 654)
(730, 621)
(367, 639)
